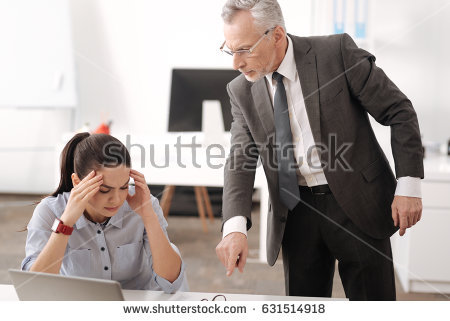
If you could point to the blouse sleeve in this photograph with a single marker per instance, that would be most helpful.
(158, 282)
(39, 231)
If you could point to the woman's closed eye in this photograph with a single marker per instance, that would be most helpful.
(108, 190)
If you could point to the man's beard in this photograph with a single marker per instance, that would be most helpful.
(261, 74)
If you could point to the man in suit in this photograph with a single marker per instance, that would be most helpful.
(302, 105)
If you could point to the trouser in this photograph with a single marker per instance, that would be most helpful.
(317, 233)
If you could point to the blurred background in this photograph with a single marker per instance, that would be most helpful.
(150, 72)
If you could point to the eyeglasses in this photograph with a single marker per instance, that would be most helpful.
(244, 52)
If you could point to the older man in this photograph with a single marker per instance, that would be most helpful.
(302, 105)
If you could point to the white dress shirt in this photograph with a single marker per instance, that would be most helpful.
(303, 140)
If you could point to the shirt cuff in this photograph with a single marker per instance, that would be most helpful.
(26, 263)
(409, 186)
(170, 287)
(235, 224)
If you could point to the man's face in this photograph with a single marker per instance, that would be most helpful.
(242, 34)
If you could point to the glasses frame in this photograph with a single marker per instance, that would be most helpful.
(245, 51)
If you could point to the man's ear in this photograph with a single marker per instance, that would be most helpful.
(75, 179)
(279, 34)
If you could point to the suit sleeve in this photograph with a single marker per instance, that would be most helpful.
(240, 168)
(381, 98)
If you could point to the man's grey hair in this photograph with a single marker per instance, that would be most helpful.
(267, 13)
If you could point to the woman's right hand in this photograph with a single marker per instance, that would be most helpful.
(79, 197)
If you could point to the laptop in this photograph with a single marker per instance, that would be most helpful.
(37, 286)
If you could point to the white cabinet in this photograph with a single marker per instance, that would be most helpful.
(28, 137)
(422, 255)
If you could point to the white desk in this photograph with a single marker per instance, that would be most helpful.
(8, 293)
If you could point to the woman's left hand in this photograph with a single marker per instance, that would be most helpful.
(141, 201)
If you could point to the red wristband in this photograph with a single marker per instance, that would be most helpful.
(59, 227)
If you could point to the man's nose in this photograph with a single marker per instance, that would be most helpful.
(238, 62)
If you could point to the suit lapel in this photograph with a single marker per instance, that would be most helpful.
(305, 60)
(263, 105)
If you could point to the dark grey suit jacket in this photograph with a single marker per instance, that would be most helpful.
(341, 85)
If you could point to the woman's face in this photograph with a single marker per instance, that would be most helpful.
(111, 195)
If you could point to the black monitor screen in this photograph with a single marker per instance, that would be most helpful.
(190, 87)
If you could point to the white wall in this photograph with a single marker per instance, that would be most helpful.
(36, 57)
(125, 51)
(411, 44)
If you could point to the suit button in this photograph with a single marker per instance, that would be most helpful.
(283, 219)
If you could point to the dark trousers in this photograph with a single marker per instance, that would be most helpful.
(312, 242)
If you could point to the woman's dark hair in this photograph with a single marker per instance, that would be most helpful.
(86, 152)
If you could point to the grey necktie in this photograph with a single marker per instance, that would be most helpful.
(287, 177)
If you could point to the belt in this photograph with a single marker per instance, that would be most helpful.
(315, 190)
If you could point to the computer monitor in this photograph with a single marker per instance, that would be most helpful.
(190, 87)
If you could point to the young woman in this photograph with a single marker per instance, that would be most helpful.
(95, 225)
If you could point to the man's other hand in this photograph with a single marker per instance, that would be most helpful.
(406, 211)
